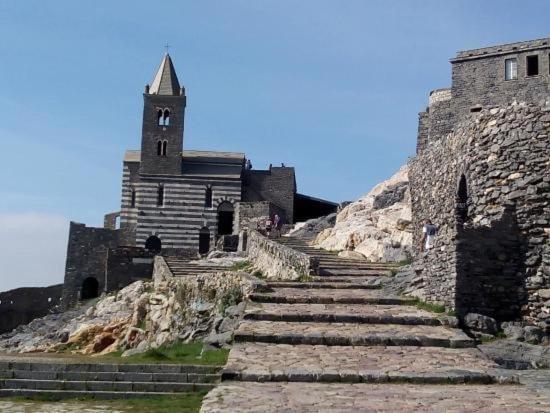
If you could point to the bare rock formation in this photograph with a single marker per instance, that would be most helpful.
(377, 225)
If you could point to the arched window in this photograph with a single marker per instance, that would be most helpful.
(164, 145)
(159, 148)
(132, 197)
(160, 196)
(208, 197)
(166, 117)
(462, 200)
(160, 118)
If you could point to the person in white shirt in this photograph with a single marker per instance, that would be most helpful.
(428, 235)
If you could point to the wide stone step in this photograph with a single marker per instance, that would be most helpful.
(327, 296)
(246, 397)
(306, 363)
(326, 285)
(345, 313)
(109, 376)
(350, 334)
(73, 394)
(67, 366)
(351, 272)
(164, 387)
(352, 279)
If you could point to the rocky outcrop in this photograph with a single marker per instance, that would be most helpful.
(377, 225)
(145, 314)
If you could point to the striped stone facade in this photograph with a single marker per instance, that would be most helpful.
(182, 213)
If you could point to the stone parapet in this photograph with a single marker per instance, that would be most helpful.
(278, 261)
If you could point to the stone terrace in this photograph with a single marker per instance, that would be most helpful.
(308, 348)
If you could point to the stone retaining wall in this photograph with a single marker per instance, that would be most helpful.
(278, 261)
(486, 186)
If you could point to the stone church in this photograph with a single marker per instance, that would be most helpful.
(177, 201)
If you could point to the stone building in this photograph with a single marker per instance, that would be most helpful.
(175, 200)
(481, 174)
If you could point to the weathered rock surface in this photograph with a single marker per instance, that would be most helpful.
(143, 315)
(377, 225)
(516, 355)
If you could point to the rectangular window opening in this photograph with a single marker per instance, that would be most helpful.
(511, 69)
(476, 109)
(532, 65)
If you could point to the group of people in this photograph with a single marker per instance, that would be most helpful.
(271, 226)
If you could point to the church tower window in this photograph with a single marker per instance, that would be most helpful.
(133, 198)
(208, 197)
(164, 146)
(160, 119)
(166, 117)
(160, 196)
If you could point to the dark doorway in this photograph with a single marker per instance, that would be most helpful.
(204, 240)
(225, 218)
(153, 244)
(90, 288)
(462, 201)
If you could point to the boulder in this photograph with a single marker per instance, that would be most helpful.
(481, 323)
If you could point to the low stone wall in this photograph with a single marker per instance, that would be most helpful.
(249, 214)
(278, 261)
(126, 265)
(22, 305)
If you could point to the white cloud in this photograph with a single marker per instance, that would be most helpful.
(32, 250)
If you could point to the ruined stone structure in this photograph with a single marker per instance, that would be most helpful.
(481, 174)
(175, 200)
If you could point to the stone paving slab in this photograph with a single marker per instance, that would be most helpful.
(316, 284)
(320, 296)
(345, 313)
(350, 272)
(337, 397)
(282, 362)
(347, 334)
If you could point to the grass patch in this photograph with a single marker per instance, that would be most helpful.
(304, 278)
(182, 403)
(180, 353)
(434, 308)
(232, 297)
(241, 265)
(258, 274)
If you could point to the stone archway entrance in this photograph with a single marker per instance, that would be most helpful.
(153, 244)
(204, 240)
(225, 218)
(90, 288)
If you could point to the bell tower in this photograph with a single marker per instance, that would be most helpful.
(163, 122)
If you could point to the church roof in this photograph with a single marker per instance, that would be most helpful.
(165, 81)
(196, 156)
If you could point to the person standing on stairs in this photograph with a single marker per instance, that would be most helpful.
(429, 232)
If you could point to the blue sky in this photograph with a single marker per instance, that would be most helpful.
(330, 87)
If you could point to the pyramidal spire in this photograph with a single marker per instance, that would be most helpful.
(166, 80)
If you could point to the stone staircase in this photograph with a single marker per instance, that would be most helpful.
(338, 330)
(182, 266)
(61, 379)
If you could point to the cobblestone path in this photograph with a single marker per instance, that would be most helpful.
(324, 347)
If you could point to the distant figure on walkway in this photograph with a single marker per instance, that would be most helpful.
(278, 224)
(268, 226)
(428, 235)
(248, 165)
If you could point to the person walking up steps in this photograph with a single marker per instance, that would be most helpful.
(429, 232)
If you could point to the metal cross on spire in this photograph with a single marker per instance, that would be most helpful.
(167, 46)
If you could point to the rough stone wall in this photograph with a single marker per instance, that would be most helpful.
(495, 260)
(278, 261)
(126, 265)
(87, 253)
(22, 305)
(109, 220)
(276, 185)
(248, 214)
